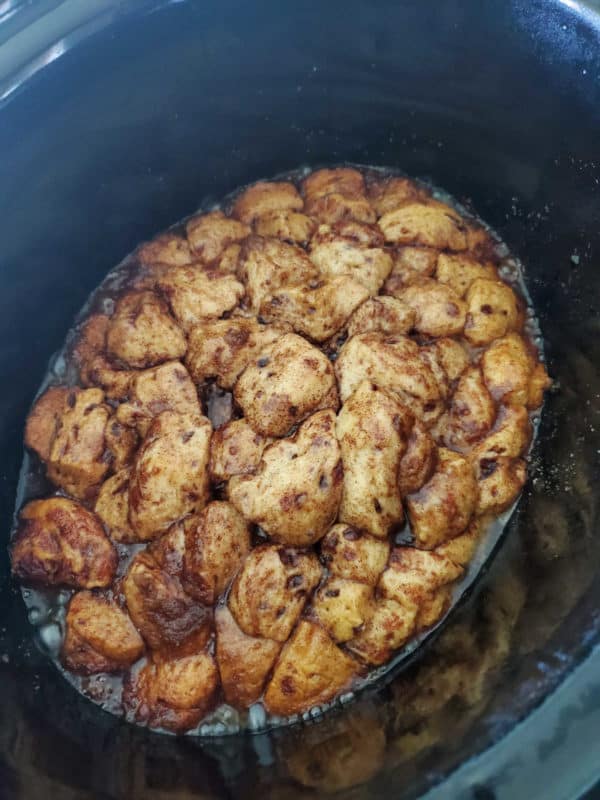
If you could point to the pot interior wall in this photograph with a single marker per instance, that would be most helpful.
(133, 128)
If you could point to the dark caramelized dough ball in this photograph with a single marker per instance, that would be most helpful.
(78, 459)
(164, 614)
(112, 506)
(419, 460)
(317, 310)
(172, 694)
(372, 431)
(267, 265)
(430, 224)
(411, 264)
(217, 541)
(44, 418)
(512, 374)
(210, 234)
(388, 194)
(223, 349)
(290, 226)
(168, 248)
(310, 670)
(394, 363)
(272, 588)
(500, 482)
(61, 543)
(354, 555)
(296, 491)
(169, 478)
(235, 449)
(264, 197)
(289, 380)
(142, 333)
(387, 627)
(99, 637)
(340, 256)
(244, 661)
(164, 388)
(342, 606)
(438, 310)
(493, 310)
(443, 507)
(385, 314)
(194, 294)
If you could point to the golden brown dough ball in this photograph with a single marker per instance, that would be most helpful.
(438, 310)
(509, 437)
(142, 333)
(385, 314)
(317, 310)
(472, 411)
(413, 575)
(388, 626)
(271, 590)
(112, 506)
(235, 449)
(172, 694)
(265, 197)
(61, 543)
(460, 270)
(164, 388)
(500, 482)
(419, 460)
(429, 224)
(217, 541)
(511, 373)
(289, 380)
(372, 430)
(43, 420)
(411, 265)
(95, 369)
(267, 265)
(342, 606)
(168, 248)
(291, 226)
(296, 491)
(344, 180)
(443, 507)
(340, 256)
(354, 555)
(388, 194)
(210, 234)
(222, 349)
(310, 670)
(244, 661)
(170, 474)
(99, 637)
(394, 363)
(77, 461)
(194, 295)
(493, 310)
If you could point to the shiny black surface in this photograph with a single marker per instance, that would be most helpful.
(155, 107)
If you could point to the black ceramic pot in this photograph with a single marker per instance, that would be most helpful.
(118, 118)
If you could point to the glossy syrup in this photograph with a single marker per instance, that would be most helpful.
(47, 607)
